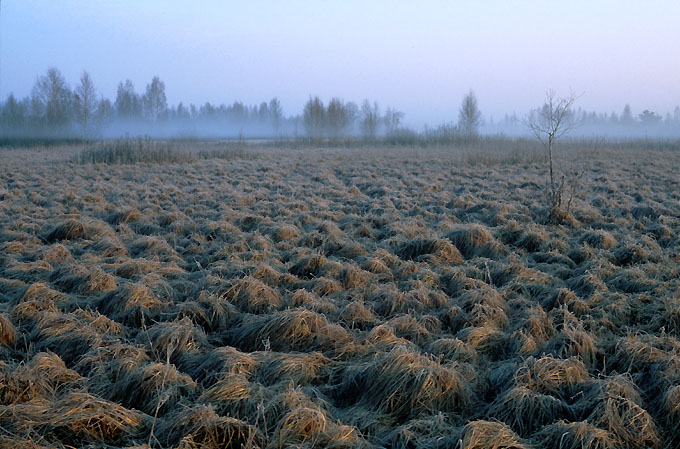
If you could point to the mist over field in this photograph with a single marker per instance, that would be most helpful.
(219, 62)
(339, 224)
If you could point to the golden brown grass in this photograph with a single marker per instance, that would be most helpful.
(347, 298)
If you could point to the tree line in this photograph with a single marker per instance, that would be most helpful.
(53, 109)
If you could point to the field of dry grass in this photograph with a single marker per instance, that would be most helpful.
(339, 298)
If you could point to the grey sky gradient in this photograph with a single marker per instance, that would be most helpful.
(420, 57)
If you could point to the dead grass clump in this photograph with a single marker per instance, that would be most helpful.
(429, 432)
(671, 411)
(76, 418)
(598, 239)
(57, 254)
(353, 277)
(356, 314)
(482, 295)
(482, 315)
(530, 239)
(40, 379)
(174, 338)
(434, 250)
(637, 352)
(405, 383)
(210, 312)
(41, 293)
(219, 313)
(489, 341)
(83, 280)
(233, 395)
(268, 275)
(383, 338)
(299, 368)
(300, 425)
(156, 387)
(324, 287)
(629, 422)
(576, 435)
(474, 240)
(386, 300)
(410, 327)
(574, 341)
(136, 267)
(71, 229)
(200, 427)
(452, 349)
(309, 267)
(69, 335)
(153, 247)
(209, 368)
(489, 435)
(302, 298)
(539, 325)
(292, 330)
(105, 366)
(426, 298)
(375, 266)
(586, 285)
(629, 255)
(286, 234)
(131, 304)
(631, 280)
(252, 296)
(526, 410)
(124, 216)
(549, 375)
(8, 333)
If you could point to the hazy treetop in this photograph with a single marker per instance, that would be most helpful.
(419, 56)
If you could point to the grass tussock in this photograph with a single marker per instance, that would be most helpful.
(132, 305)
(252, 295)
(576, 435)
(405, 383)
(293, 330)
(77, 418)
(8, 333)
(489, 435)
(200, 427)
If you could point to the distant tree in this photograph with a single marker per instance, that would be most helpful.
(392, 119)
(153, 100)
(207, 111)
(53, 96)
(614, 118)
(85, 104)
(676, 114)
(13, 115)
(549, 122)
(263, 112)
(627, 115)
(649, 118)
(314, 118)
(275, 113)
(469, 117)
(128, 104)
(182, 113)
(339, 119)
(105, 112)
(370, 120)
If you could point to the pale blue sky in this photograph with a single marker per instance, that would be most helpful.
(418, 56)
